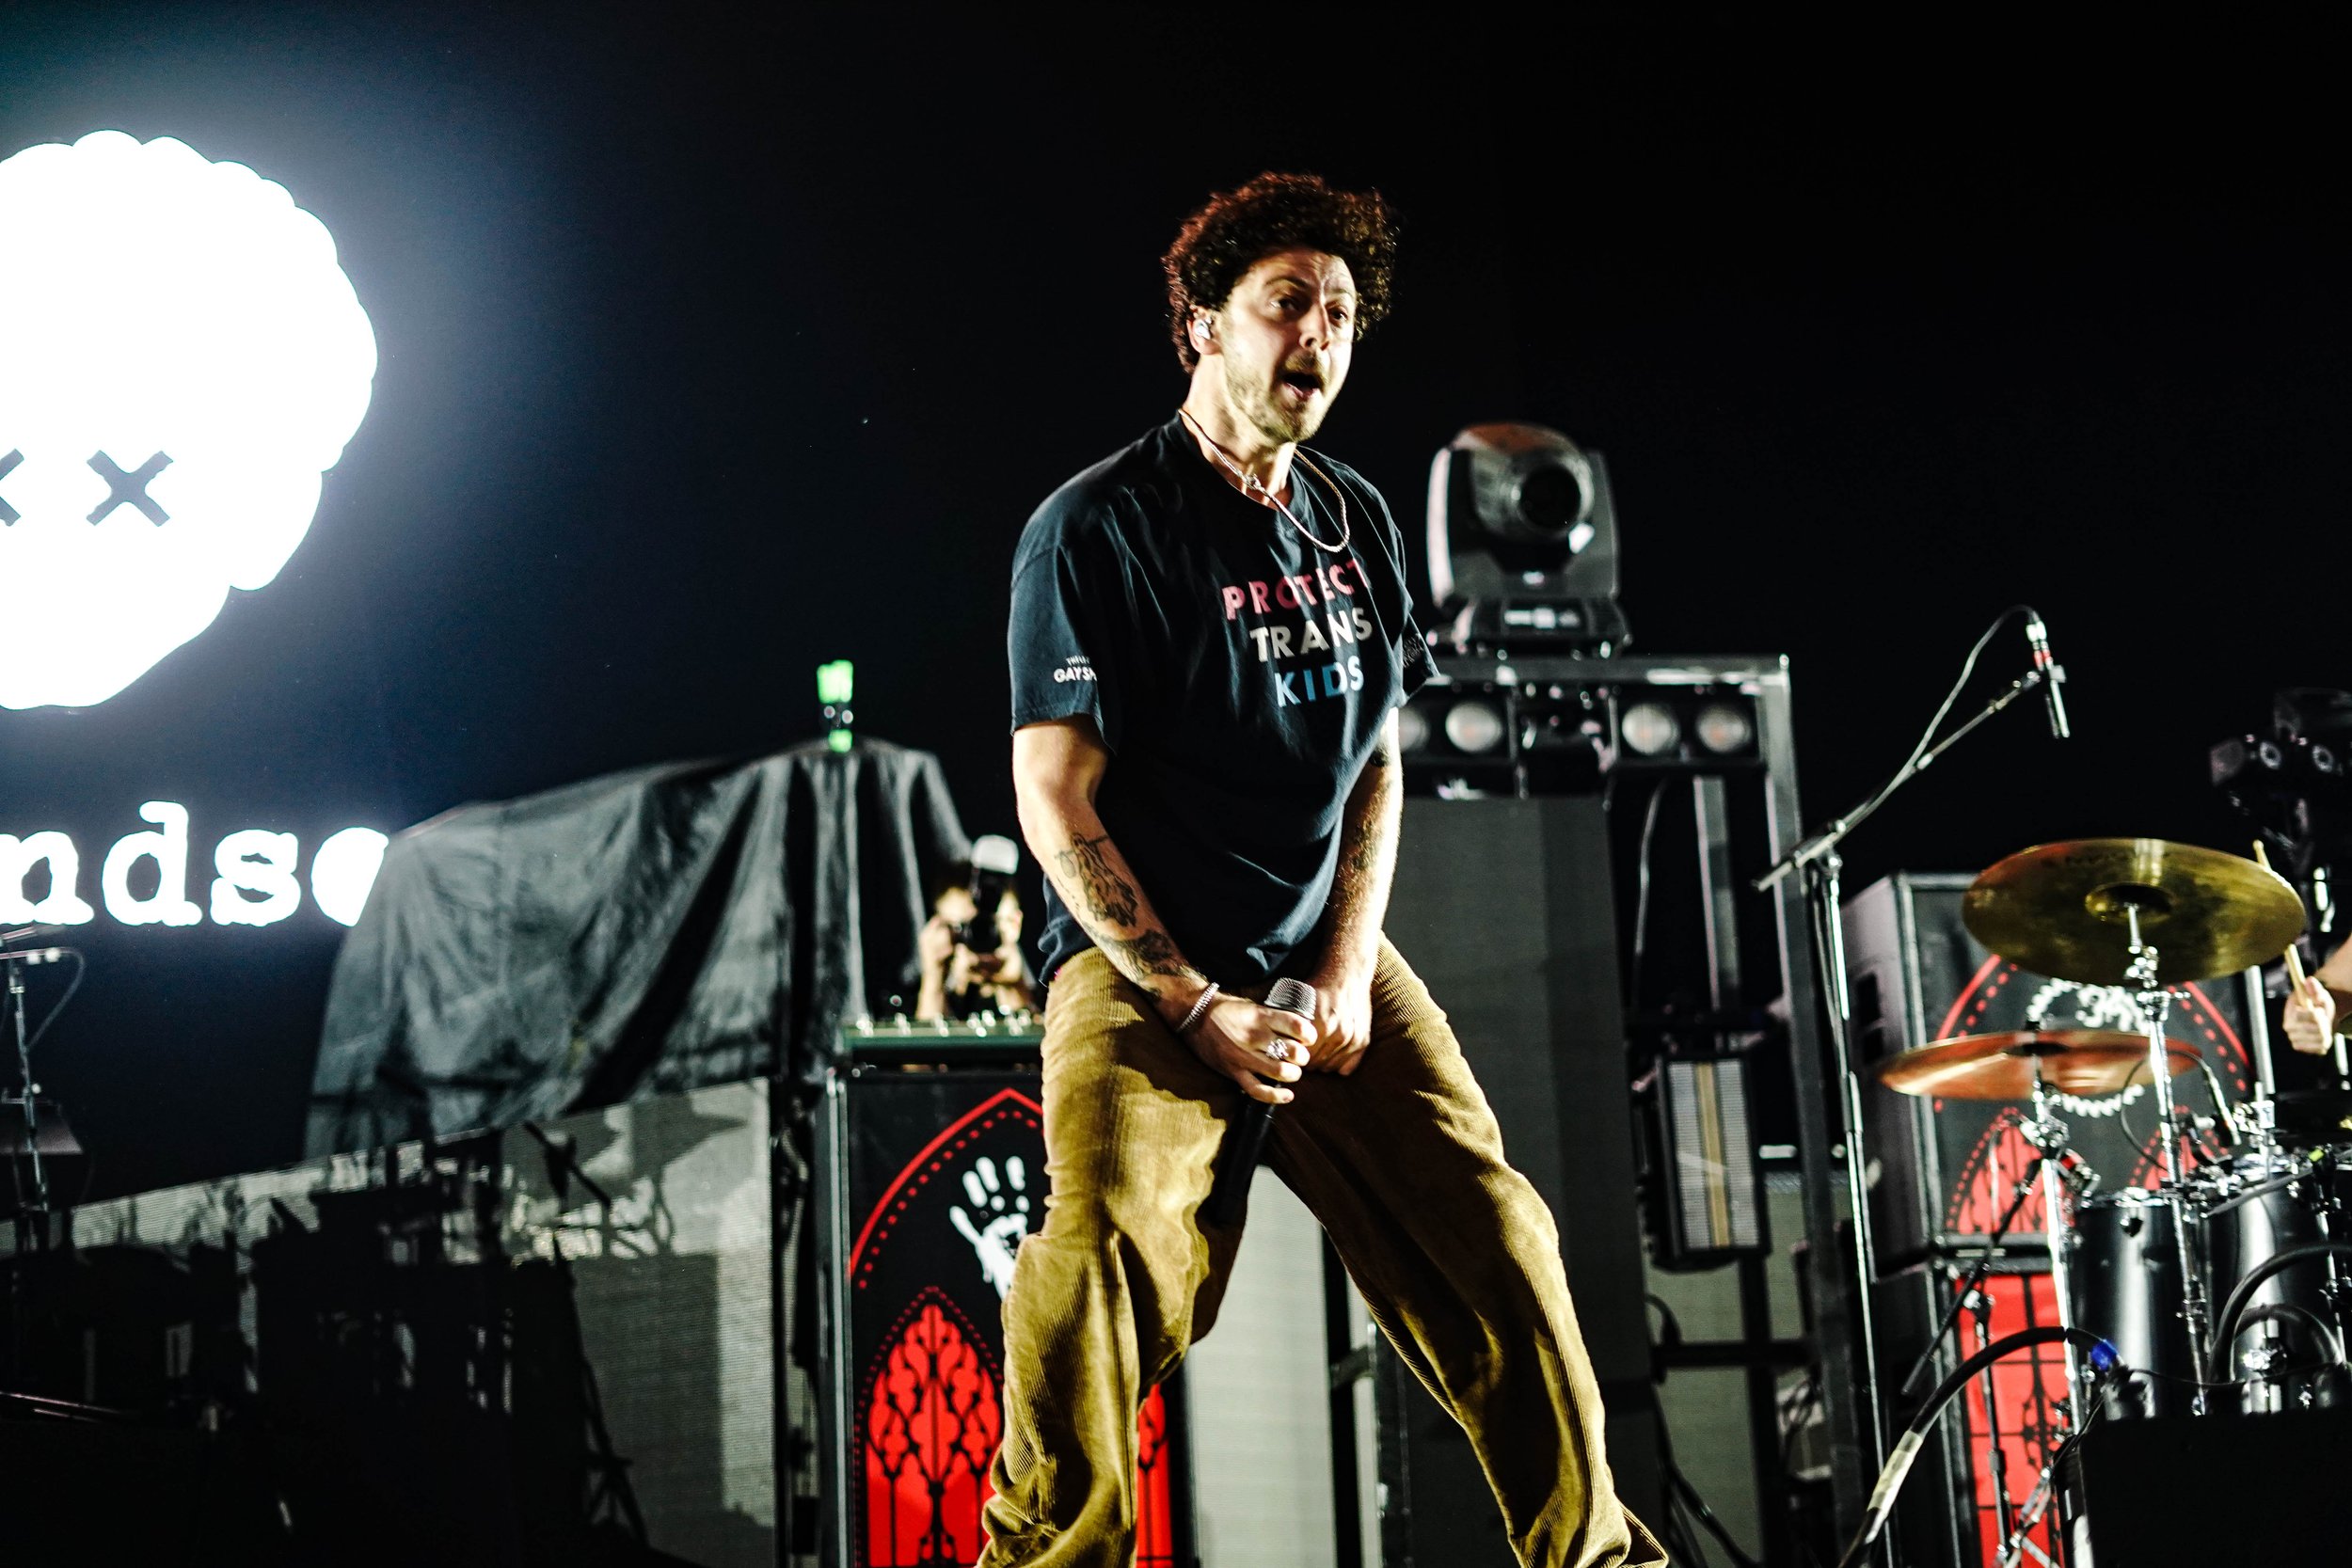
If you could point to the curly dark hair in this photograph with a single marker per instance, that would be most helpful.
(1237, 230)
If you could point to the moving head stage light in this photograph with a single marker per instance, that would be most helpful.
(2296, 783)
(1523, 542)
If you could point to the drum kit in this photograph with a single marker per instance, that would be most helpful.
(2217, 1286)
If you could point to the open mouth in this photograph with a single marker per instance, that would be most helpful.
(1305, 383)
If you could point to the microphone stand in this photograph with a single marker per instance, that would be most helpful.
(1971, 1281)
(32, 1219)
(15, 963)
(1817, 859)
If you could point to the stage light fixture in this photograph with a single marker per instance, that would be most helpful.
(2296, 783)
(1708, 1203)
(1412, 729)
(186, 358)
(1724, 729)
(1473, 727)
(1523, 541)
(1649, 729)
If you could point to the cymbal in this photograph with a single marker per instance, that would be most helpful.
(2003, 1065)
(2063, 910)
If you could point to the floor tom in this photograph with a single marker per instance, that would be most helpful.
(2255, 1206)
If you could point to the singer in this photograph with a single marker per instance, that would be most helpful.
(1210, 638)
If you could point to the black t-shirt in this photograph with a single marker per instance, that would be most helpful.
(1239, 674)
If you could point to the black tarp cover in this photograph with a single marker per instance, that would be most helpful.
(644, 933)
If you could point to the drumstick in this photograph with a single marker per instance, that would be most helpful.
(2295, 954)
(2294, 978)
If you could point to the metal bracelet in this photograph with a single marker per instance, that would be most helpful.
(1199, 1008)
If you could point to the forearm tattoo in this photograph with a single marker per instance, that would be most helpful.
(1109, 907)
(1152, 953)
(1109, 898)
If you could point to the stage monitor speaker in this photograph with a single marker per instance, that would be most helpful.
(2188, 1491)
(1504, 908)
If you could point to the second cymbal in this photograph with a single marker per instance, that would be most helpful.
(2004, 1065)
(2065, 910)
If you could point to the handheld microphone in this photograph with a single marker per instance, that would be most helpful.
(1237, 1164)
(2052, 673)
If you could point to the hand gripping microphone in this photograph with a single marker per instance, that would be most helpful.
(2052, 673)
(1237, 1164)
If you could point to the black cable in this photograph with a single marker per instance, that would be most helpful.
(1906, 1449)
(1809, 1399)
(1986, 1251)
(31, 1157)
(1943, 711)
(2023, 1540)
(1670, 1326)
(1681, 1545)
(2152, 1375)
(1679, 1487)
(2225, 1326)
(2124, 1109)
(1707, 1515)
(2220, 1106)
(81, 967)
(2287, 1312)
(1641, 898)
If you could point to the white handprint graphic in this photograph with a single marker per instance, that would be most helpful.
(999, 1217)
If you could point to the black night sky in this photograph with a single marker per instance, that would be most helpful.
(717, 344)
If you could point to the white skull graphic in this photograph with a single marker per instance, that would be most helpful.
(181, 359)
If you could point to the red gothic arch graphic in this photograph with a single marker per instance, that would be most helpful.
(928, 1414)
(931, 1422)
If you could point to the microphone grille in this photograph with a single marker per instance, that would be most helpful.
(1287, 995)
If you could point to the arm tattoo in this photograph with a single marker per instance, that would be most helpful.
(1108, 906)
(1109, 898)
(1153, 953)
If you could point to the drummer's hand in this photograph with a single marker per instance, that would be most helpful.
(2310, 1020)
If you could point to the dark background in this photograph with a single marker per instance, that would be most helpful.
(716, 345)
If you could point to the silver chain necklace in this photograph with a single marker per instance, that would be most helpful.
(1252, 486)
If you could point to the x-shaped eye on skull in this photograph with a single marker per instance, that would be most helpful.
(8, 515)
(130, 489)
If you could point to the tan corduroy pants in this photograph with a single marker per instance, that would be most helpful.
(1402, 1161)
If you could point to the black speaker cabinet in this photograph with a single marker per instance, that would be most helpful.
(2190, 1490)
(1504, 908)
(931, 1159)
